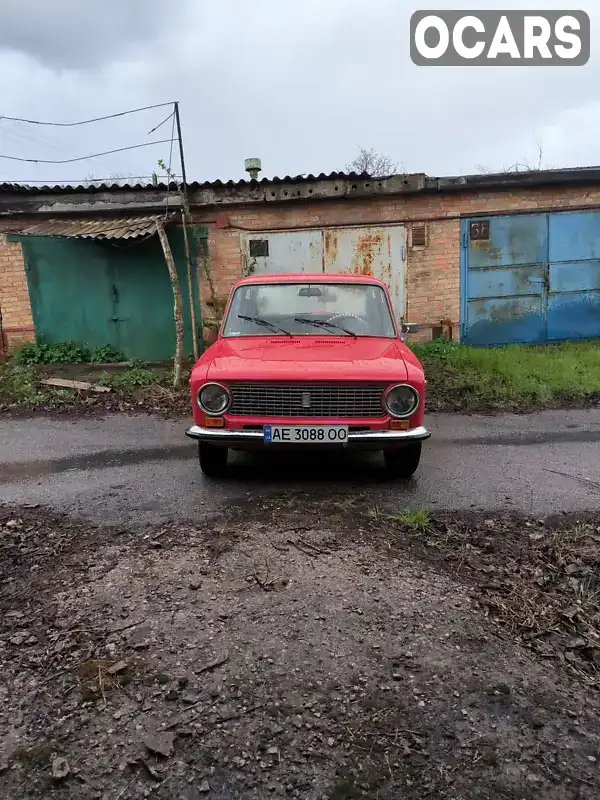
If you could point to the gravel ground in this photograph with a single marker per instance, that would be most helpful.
(277, 650)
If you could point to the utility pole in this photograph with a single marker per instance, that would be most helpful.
(181, 156)
(185, 216)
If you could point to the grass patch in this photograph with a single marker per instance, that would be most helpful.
(415, 521)
(517, 377)
(135, 387)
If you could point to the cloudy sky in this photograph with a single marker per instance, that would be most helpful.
(299, 83)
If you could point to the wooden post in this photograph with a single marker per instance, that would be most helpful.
(188, 258)
(177, 315)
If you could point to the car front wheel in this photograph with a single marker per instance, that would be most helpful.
(403, 462)
(213, 460)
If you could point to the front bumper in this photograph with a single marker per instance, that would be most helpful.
(254, 438)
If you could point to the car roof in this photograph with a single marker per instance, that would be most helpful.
(304, 277)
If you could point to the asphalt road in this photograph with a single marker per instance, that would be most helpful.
(143, 469)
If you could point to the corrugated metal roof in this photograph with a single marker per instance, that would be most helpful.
(103, 228)
(568, 175)
(105, 187)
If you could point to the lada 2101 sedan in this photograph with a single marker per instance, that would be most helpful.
(309, 361)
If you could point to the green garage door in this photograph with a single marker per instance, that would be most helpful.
(107, 293)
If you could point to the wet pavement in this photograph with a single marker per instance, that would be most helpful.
(143, 469)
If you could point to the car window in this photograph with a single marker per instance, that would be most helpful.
(311, 309)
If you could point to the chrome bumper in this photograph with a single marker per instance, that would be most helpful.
(382, 438)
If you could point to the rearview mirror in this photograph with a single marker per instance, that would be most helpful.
(310, 291)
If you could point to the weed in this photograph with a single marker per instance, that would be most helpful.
(58, 353)
(416, 521)
(19, 384)
(107, 355)
(131, 379)
(136, 363)
(66, 353)
(31, 353)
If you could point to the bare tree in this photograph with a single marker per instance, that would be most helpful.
(374, 164)
(177, 314)
(521, 166)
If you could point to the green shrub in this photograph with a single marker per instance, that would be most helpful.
(107, 355)
(68, 353)
(31, 353)
(57, 353)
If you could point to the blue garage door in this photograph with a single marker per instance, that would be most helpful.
(531, 278)
(574, 275)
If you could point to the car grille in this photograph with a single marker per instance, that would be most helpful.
(299, 400)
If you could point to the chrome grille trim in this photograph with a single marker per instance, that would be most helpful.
(326, 400)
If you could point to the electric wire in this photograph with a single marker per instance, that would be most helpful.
(84, 158)
(85, 121)
(82, 181)
(172, 114)
(14, 126)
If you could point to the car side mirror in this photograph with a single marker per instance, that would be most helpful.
(409, 327)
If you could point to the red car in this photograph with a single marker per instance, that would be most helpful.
(309, 361)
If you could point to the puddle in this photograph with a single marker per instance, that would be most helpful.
(527, 440)
(12, 473)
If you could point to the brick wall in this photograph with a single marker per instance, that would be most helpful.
(433, 276)
(433, 272)
(17, 322)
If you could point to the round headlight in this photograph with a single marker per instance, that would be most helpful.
(213, 398)
(401, 401)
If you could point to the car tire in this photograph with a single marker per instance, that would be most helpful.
(403, 462)
(213, 460)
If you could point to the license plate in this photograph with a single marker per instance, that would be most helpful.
(305, 434)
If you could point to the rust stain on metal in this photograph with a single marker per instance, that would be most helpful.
(331, 247)
(367, 248)
(494, 253)
(387, 267)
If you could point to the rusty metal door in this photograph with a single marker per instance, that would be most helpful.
(380, 252)
(504, 269)
(289, 252)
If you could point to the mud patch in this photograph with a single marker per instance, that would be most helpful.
(278, 651)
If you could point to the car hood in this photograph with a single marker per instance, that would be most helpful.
(306, 358)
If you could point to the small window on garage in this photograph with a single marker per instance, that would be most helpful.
(202, 245)
(259, 248)
(418, 236)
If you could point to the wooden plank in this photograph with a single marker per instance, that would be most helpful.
(65, 384)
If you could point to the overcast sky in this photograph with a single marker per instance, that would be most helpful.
(299, 83)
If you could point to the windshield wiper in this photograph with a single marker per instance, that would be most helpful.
(265, 324)
(321, 324)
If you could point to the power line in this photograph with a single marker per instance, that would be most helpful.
(172, 114)
(84, 158)
(14, 131)
(74, 181)
(86, 121)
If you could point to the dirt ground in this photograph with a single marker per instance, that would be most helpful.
(308, 648)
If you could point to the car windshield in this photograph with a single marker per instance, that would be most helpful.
(309, 309)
